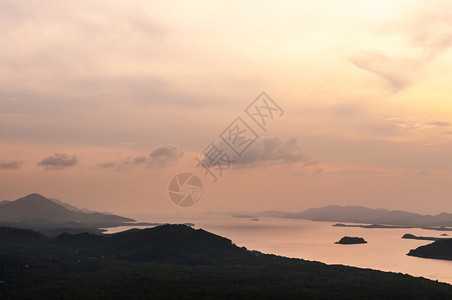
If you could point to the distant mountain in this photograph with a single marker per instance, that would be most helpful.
(70, 207)
(360, 214)
(36, 211)
(440, 249)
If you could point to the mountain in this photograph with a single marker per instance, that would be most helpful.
(179, 262)
(440, 249)
(360, 214)
(36, 211)
(70, 207)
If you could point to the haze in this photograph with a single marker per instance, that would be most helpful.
(103, 102)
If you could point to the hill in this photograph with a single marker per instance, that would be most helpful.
(179, 262)
(38, 212)
(440, 249)
(174, 243)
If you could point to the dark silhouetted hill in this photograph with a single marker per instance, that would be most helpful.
(179, 262)
(440, 249)
(347, 240)
(174, 243)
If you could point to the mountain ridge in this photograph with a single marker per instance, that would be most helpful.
(37, 211)
(362, 214)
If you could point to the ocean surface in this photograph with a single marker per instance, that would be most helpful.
(385, 249)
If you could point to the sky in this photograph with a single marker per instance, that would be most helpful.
(102, 103)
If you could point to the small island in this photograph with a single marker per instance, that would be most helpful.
(423, 238)
(347, 240)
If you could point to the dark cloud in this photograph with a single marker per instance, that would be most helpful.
(139, 160)
(274, 151)
(10, 165)
(58, 161)
(164, 155)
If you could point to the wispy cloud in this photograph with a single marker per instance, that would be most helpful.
(318, 172)
(121, 165)
(397, 72)
(426, 33)
(10, 165)
(438, 123)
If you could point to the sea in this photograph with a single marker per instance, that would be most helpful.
(385, 249)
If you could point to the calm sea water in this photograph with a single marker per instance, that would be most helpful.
(385, 250)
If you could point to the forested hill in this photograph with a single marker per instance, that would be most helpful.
(179, 262)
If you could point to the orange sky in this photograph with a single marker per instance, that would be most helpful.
(93, 92)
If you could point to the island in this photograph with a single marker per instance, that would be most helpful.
(424, 238)
(440, 249)
(371, 226)
(347, 240)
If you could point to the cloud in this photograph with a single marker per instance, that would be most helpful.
(346, 109)
(438, 123)
(164, 155)
(108, 165)
(318, 172)
(10, 165)
(122, 165)
(274, 150)
(431, 30)
(397, 72)
(139, 160)
(114, 165)
(422, 173)
(426, 34)
(58, 161)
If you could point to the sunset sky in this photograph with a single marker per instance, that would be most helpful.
(103, 102)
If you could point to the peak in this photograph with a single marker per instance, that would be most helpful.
(34, 197)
